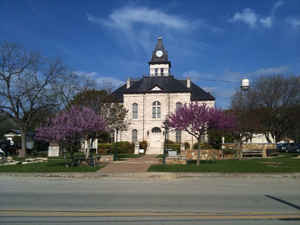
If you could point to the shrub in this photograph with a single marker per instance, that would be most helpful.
(143, 145)
(229, 151)
(123, 147)
(215, 139)
(105, 148)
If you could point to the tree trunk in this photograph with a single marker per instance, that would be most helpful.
(22, 152)
(198, 153)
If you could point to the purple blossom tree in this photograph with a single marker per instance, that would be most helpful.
(197, 119)
(68, 127)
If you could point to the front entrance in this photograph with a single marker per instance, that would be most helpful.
(155, 141)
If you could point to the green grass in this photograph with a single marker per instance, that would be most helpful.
(52, 166)
(281, 164)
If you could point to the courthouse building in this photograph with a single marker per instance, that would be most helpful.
(152, 98)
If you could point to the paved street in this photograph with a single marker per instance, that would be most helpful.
(25, 200)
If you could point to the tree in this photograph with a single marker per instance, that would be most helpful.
(103, 103)
(197, 119)
(69, 127)
(6, 124)
(269, 106)
(27, 86)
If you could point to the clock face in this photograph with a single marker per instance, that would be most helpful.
(159, 53)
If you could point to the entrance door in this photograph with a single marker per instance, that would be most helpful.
(156, 137)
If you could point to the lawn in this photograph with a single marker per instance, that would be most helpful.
(280, 164)
(52, 166)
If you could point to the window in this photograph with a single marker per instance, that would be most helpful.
(162, 71)
(156, 130)
(178, 105)
(134, 136)
(134, 111)
(178, 136)
(156, 71)
(156, 109)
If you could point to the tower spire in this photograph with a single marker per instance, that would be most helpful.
(159, 63)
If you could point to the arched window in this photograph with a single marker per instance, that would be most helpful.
(156, 109)
(134, 136)
(134, 111)
(178, 105)
(156, 130)
(178, 136)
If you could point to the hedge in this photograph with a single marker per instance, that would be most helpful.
(123, 147)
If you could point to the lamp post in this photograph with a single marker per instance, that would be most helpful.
(166, 127)
(245, 85)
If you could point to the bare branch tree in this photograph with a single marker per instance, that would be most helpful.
(269, 106)
(28, 84)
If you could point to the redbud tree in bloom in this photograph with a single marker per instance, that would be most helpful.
(68, 127)
(197, 119)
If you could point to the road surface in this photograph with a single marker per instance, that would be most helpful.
(234, 200)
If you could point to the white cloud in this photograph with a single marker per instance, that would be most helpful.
(247, 16)
(270, 71)
(277, 5)
(101, 81)
(138, 26)
(266, 22)
(127, 17)
(294, 22)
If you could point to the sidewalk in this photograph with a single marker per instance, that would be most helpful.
(154, 175)
(132, 165)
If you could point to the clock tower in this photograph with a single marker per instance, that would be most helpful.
(159, 64)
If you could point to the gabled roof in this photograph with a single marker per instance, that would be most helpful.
(167, 85)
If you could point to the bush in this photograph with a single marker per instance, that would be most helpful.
(228, 151)
(143, 145)
(202, 146)
(187, 145)
(105, 148)
(215, 139)
(123, 147)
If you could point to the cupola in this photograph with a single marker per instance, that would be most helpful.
(159, 64)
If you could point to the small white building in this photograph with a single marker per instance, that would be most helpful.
(260, 138)
(152, 98)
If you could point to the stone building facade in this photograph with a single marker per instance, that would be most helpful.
(152, 98)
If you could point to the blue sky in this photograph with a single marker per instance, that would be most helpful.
(214, 42)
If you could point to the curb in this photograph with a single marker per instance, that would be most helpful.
(154, 175)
